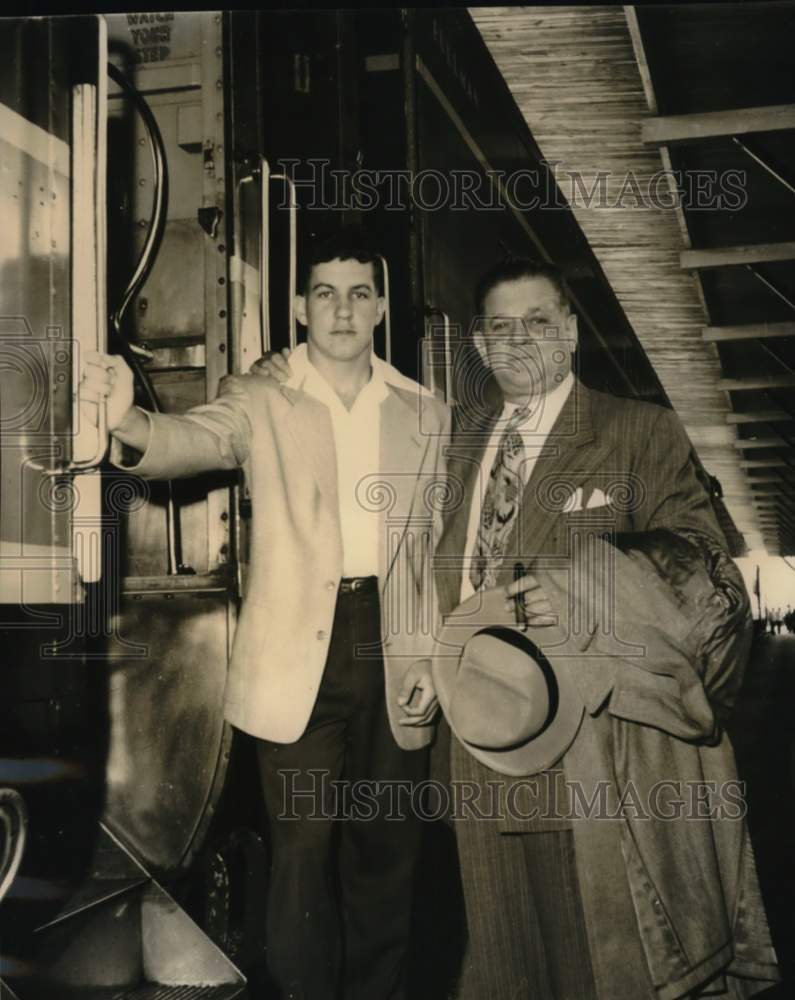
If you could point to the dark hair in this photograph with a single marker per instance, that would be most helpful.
(514, 269)
(348, 244)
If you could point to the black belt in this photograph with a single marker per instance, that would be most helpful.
(355, 584)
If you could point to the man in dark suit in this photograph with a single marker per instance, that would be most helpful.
(541, 465)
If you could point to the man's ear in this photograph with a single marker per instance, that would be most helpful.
(572, 331)
(380, 309)
(300, 309)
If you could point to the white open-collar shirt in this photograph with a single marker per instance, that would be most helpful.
(357, 436)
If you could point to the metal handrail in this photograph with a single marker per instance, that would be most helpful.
(88, 300)
(264, 255)
(448, 366)
(293, 333)
(387, 311)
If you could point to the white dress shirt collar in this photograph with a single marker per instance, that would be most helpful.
(542, 416)
(383, 374)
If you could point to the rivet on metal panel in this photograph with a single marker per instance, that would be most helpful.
(224, 515)
(222, 348)
(222, 313)
(221, 248)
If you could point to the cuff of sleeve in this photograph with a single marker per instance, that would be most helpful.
(125, 457)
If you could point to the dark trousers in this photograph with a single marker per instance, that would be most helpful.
(343, 855)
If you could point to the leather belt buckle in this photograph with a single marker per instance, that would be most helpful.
(352, 584)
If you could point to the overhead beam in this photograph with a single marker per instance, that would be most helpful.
(758, 417)
(779, 526)
(787, 523)
(771, 501)
(746, 444)
(757, 382)
(748, 331)
(755, 253)
(710, 124)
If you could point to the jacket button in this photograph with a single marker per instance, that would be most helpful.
(321, 634)
(331, 585)
(657, 904)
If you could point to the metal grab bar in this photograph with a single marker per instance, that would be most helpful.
(265, 176)
(102, 440)
(387, 311)
(264, 255)
(448, 360)
(89, 324)
(293, 252)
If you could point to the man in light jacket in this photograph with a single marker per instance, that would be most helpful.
(329, 669)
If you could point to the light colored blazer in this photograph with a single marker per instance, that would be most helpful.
(283, 439)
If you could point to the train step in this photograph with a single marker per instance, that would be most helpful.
(123, 937)
(156, 991)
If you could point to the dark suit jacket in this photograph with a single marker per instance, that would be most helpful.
(636, 453)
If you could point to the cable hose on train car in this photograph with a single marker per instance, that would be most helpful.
(154, 237)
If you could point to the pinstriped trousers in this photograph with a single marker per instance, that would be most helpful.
(525, 921)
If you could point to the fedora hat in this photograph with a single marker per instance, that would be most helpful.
(512, 706)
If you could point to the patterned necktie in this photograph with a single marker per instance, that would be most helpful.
(500, 505)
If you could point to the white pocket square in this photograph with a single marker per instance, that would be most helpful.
(574, 502)
(598, 499)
